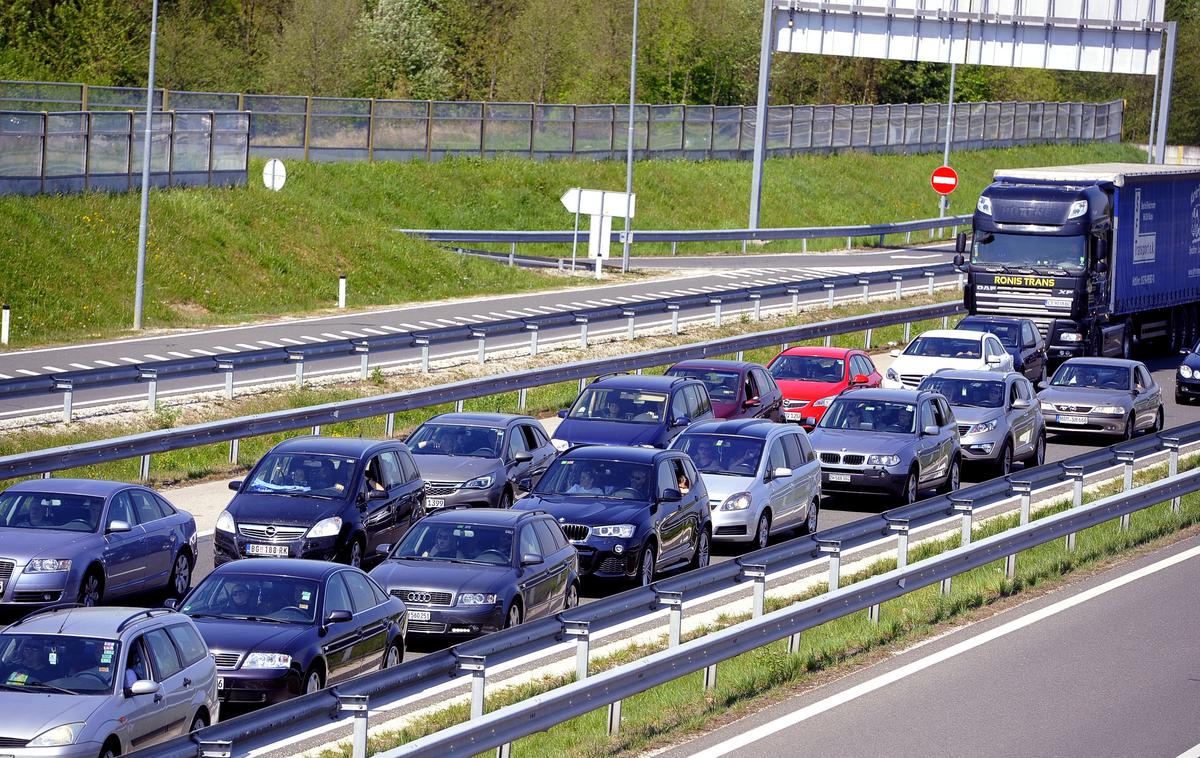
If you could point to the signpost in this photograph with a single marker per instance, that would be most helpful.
(602, 206)
(274, 174)
(944, 179)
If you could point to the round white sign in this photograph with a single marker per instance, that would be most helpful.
(274, 174)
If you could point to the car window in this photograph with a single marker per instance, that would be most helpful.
(927, 415)
(856, 366)
(945, 414)
(145, 507)
(166, 508)
(805, 447)
(389, 466)
(408, 466)
(187, 640)
(1143, 377)
(666, 478)
(692, 398)
(137, 666)
(360, 591)
(164, 658)
(121, 509)
(683, 479)
(380, 595)
(337, 598)
(539, 434)
(776, 456)
(791, 451)
(764, 380)
(529, 542)
(1028, 336)
(1024, 390)
(751, 387)
(530, 433)
(702, 398)
(517, 444)
(549, 530)
(1014, 392)
(545, 537)
(679, 405)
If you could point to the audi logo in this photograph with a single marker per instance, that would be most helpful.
(419, 597)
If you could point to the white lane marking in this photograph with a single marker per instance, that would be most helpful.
(430, 324)
(52, 369)
(773, 727)
(392, 329)
(244, 346)
(446, 321)
(498, 315)
(200, 351)
(1193, 752)
(331, 336)
(80, 365)
(178, 354)
(131, 360)
(105, 363)
(290, 341)
(27, 372)
(5, 376)
(369, 330)
(468, 319)
(410, 327)
(349, 333)
(307, 338)
(223, 349)
(154, 357)
(269, 343)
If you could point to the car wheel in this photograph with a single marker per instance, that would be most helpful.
(1128, 433)
(1005, 460)
(814, 511)
(1039, 451)
(1159, 420)
(314, 682)
(514, 614)
(109, 752)
(181, 576)
(505, 500)
(911, 488)
(571, 599)
(354, 554)
(646, 567)
(762, 534)
(703, 549)
(394, 655)
(952, 478)
(91, 591)
(198, 723)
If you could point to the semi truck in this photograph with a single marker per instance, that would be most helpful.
(1105, 258)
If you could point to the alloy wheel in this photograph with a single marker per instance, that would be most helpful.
(89, 593)
(814, 509)
(763, 535)
(572, 598)
(647, 567)
(313, 683)
(181, 575)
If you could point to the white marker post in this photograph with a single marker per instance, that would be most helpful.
(4, 323)
(602, 206)
(274, 175)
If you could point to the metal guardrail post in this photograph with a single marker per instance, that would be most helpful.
(357, 706)
(673, 601)
(829, 294)
(849, 243)
(674, 311)
(795, 293)
(521, 398)
(235, 445)
(614, 718)
(757, 573)
(150, 376)
(866, 285)
(716, 301)
(832, 548)
(710, 677)
(476, 665)
(389, 425)
(583, 327)
(631, 315)
(215, 749)
(364, 357)
(1076, 474)
(533, 338)
(423, 343)
(458, 406)
(298, 359)
(1025, 491)
(1172, 445)
(962, 506)
(512, 254)
(482, 338)
(144, 468)
(226, 367)
(945, 322)
(316, 430)
(907, 332)
(580, 630)
(929, 277)
(868, 338)
(67, 387)
(1126, 457)
(899, 280)
(341, 291)
(757, 300)
(962, 280)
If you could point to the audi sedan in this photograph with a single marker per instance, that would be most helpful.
(1110, 396)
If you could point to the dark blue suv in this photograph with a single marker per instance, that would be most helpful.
(630, 512)
(635, 410)
(1020, 337)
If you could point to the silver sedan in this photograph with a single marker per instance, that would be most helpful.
(1110, 396)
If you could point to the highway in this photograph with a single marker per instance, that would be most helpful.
(1103, 667)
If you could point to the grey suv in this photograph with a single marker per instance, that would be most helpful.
(888, 442)
(86, 682)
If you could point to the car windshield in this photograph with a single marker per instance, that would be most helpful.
(870, 416)
(286, 599)
(456, 439)
(1091, 375)
(1029, 250)
(944, 347)
(302, 474)
(593, 478)
(58, 663)
(722, 385)
(721, 454)
(454, 542)
(976, 393)
(49, 510)
(625, 405)
(808, 368)
(1008, 334)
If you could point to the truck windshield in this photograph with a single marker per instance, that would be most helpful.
(999, 248)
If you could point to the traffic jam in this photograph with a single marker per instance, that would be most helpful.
(335, 554)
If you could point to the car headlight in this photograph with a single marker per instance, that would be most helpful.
(48, 566)
(326, 527)
(479, 483)
(1109, 410)
(225, 522)
(984, 205)
(892, 375)
(560, 445)
(64, 734)
(824, 401)
(883, 460)
(736, 502)
(1078, 208)
(620, 531)
(1186, 371)
(1071, 337)
(1048, 407)
(476, 598)
(267, 661)
(985, 426)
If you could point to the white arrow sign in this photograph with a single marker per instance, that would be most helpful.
(599, 202)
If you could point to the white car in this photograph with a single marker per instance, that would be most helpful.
(945, 348)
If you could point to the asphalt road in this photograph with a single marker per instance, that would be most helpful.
(1102, 668)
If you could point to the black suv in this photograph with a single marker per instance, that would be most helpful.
(326, 498)
(630, 512)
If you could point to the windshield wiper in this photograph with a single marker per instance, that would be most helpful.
(53, 687)
(208, 615)
(266, 619)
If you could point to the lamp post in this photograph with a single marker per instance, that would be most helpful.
(141, 259)
(629, 138)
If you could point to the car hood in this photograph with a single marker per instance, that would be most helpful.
(25, 715)
(869, 443)
(242, 636)
(441, 575)
(283, 509)
(453, 468)
(581, 510)
(22, 545)
(926, 365)
(794, 389)
(595, 432)
(1085, 396)
(721, 486)
(969, 414)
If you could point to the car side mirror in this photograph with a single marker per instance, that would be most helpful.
(235, 485)
(752, 403)
(563, 413)
(337, 617)
(1021, 404)
(118, 526)
(374, 494)
(1101, 267)
(144, 687)
(681, 421)
(522, 457)
(384, 549)
(930, 430)
(170, 604)
(993, 360)
(1184, 351)
(894, 353)
(960, 247)
(671, 496)
(859, 379)
(782, 472)
(531, 559)
(809, 422)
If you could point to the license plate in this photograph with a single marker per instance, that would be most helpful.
(220, 682)
(839, 477)
(277, 551)
(435, 502)
(1072, 419)
(418, 615)
(793, 416)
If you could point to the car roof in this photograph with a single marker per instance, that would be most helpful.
(880, 393)
(90, 487)
(714, 363)
(349, 446)
(479, 419)
(821, 352)
(74, 620)
(974, 374)
(1117, 362)
(482, 516)
(299, 568)
(956, 333)
(616, 453)
(642, 382)
(748, 427)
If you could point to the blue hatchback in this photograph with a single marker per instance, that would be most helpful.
(634, 410)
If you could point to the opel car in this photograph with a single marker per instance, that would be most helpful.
(811, 377)
(1110, 396)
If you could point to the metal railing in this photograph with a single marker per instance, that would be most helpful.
(151, 373)
(96, 150)
(348, 129)
(469, 662)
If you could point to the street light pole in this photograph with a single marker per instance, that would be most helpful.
(141, 259)
(629, 139)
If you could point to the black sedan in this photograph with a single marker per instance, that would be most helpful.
(1187, 383)
(1020, 337)
(281, 628)
(471, 571)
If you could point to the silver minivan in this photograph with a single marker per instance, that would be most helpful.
(762, 477)
(81, 682)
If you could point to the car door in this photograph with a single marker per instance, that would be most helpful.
(806, 473)
(539, 446)
(1149, 395)
(199, 669)
(696, 502)
(666, 515)
(535, 581)
(749, 403)
(516, 443)
(948, 431)
(378, 505)
(414, 487)
(1033, 351)
(159, 537)
(700, 402)
(124, 552)
(371, 619)
(559, 558)
(769, 395)
(176, 687)
(781, 490)
(929, 445)
(406, 495)
(145, 720)
(340, 637)
(1022, 421)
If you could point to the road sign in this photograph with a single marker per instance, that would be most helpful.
(944, 180)
(599, 202)
(274, 174)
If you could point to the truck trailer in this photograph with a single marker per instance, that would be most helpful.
(1105, 258)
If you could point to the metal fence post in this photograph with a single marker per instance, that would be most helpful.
(521, 395)
(150, 376)
(945, 322)
(234, 446)
(1126, 457)
(476, 665)
(614, 718)
(482, 338)
(1024, 490)
(533, 338)
(964, 507)
(512, 254)
(757, 300)
(1076, 474)
(298, 359)
(458, 406)
(866, 285)
(389, 425)
(632, 326)
(144, 468)
(580, 630)
(757, 573)
(357, 706)
(67, 387)
(673, 602)
(364, 357)
(907, 332)
(423, 343)
(710, 677)
(215, 749)
(1172, 444)
(716, 302)
(316, 430)
(795, 293)
(929, 276)
(225, 366)
(899, 280)
(583, 326)
(832, 548)
(868, 338)
(829, 294)
(674, 311)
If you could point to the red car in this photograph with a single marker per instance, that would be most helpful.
(811, 377)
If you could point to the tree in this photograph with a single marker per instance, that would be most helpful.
(404, 58)
(319, 50)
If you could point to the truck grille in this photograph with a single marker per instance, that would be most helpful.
(227, 660)
(576, 532)
(272, 533)
(426, 597)
(438, 489)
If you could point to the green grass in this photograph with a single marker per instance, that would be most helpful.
(223, 255)
(682, 707)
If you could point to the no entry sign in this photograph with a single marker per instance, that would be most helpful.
(944, 180)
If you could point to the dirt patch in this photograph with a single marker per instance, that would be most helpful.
(189, 309)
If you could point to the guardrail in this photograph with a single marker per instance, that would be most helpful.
(470, 661)
(152, 372)
(231, 430)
